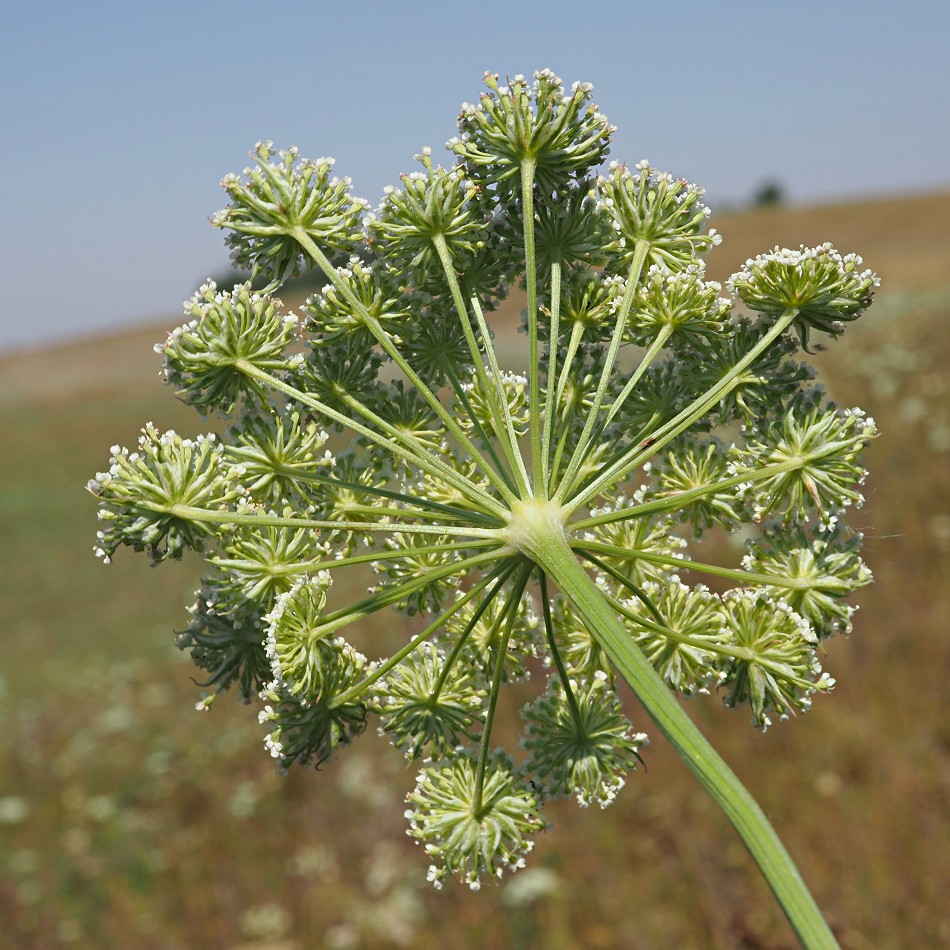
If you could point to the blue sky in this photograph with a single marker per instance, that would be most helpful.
(119, 120)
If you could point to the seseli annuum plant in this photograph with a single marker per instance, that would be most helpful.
(529, 519)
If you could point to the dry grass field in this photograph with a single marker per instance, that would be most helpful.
(129, 820)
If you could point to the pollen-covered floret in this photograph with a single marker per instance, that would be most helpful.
(480, 632)
(826, 288)
(211, 360)
(487, 410)
(226, 640)
(300, 649)
(259, 564)
(277, 202)
(307, 731)
(473, 829)
(146, 495)
(420, 562)
(280, 457)
(690, 475)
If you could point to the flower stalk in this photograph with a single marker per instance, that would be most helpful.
(543, 540)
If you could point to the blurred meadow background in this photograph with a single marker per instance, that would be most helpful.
(127, 819)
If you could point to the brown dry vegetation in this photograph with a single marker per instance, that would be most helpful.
(128, 820)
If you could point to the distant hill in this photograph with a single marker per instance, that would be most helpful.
(904, 239)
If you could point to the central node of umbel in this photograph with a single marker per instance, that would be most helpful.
(532, 520)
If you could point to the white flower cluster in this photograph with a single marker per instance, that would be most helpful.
(537, 518)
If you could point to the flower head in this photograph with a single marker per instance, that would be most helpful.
(474, 822)
(562, 135)
(827, 289)
(580, 742)
(523, 507)
(231, 332)
(275, 200)
(666, 213)
(146, 495)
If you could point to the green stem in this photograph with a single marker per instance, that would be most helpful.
(492, 394)
(641, 251)
(677, 501)
(625, 582)
(416, 454)
(374, 557)
(553, 339)
(576, 717)
(483, 436)
(392, 593)
(648, 357)
(510, 443)
(448, 511)
(386, 342)
(502, 572)
(638, 454)
(542, 539)
(645, 363)
(528, 166)
(205, 515)
(684, 564)
(577, 331)
(507, 616)
(383, 668)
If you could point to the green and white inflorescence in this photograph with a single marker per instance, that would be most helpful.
(485, 490)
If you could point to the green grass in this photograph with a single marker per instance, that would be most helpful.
(127, 819)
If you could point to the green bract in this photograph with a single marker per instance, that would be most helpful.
(641, 413)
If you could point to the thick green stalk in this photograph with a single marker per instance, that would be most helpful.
(539, 535)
